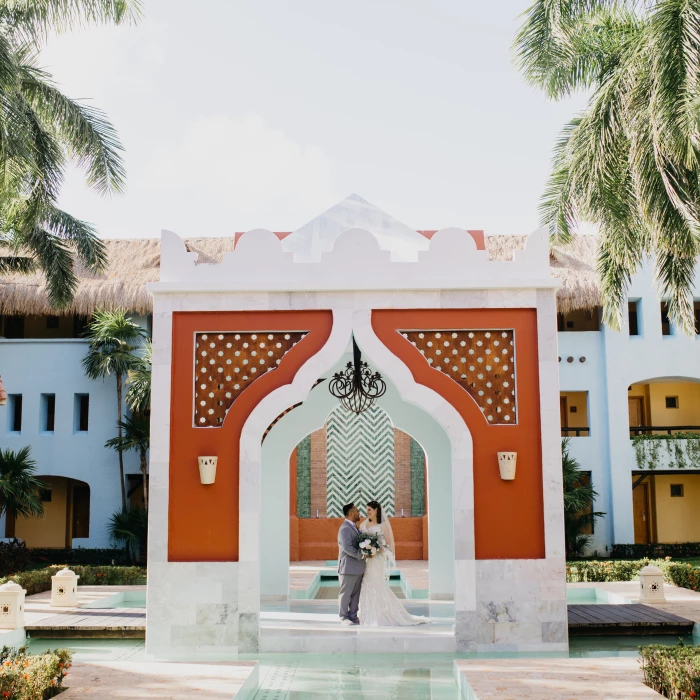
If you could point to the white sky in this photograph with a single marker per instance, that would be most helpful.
(240, 114)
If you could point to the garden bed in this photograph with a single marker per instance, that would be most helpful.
(26, 676)
(672, 671)
(39, 580)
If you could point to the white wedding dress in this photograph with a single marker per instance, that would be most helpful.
(379, 607)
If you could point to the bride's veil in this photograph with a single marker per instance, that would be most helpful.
(390, 543)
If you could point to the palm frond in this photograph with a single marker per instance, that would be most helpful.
(37, 17)
(90, 138)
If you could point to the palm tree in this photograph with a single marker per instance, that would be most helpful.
(630, 163)
(130, 528)
(579, 497)
(138, 395)
(113, 339)
(19, 487)
(41, 131)
(134, 434)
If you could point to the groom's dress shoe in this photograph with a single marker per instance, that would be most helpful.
(347, 622)
(355, 622)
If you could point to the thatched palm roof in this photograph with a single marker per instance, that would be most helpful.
(135, 262)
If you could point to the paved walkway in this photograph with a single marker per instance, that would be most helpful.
(40, 617)
(105, 680)
(554, 679)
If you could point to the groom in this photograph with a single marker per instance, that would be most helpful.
(351, 566)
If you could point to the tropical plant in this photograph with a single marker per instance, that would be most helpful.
(134, 434)
(579, 497)
(130, 528)
(138, 380)
(113, 339)
(630, 163)
(42, 130)
(19, 487)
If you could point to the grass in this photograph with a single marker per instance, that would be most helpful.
(695, 561)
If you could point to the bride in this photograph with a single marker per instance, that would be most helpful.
(379, 607)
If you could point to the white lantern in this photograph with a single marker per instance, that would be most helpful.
(207, 469)
(506, 465)
(64, 589)
(651, 585)
(11, 606)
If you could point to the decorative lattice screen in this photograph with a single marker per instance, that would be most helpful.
(228, 363)
(483, 362)
(360, 466)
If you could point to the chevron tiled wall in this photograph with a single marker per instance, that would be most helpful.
(360, 463)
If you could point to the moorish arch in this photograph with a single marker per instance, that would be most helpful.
(205, 545)
(276, 487)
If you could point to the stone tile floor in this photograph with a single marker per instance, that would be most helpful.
(618, 678)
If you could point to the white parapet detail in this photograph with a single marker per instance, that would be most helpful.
(356, 262)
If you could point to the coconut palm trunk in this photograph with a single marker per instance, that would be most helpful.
(119, 433)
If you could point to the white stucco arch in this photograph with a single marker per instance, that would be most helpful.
(347, 322)
(275, 485)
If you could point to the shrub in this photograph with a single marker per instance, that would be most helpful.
(655, 551)
(609, 570)
(672, 671)
(684, 575)
(40, 580)
(32, 676)
(79, 555)
(14, 556)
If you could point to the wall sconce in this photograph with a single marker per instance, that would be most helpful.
(506, 465)
(207, 469)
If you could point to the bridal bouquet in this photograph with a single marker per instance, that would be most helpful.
(371, 545)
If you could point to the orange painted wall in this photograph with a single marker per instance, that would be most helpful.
(509, 520)
(203, 520)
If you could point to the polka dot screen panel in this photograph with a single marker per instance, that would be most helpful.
(228, 363)
(483, 362)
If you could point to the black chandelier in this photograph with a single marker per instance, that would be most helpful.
(357, 387)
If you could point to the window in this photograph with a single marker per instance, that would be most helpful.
(632, 315)
(665, 321)
(81, 412)
(677, 491)
(48, 412)
(585, 481)
(52, 322)
(45, 495)
(671, 402)
(80, 323)
(14, 327)
(581, 320)
(15, 412)
(696, 309)
(573, 409)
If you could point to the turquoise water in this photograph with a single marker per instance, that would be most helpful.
(355, 677)
(124, 599)
(593, 596)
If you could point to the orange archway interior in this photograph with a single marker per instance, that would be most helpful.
(203, 520)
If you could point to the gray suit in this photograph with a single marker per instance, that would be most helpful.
(351, 569)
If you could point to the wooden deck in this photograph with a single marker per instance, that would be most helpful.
(625, 619)
(92, 622)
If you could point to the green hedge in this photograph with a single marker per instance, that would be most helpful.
(26, 676)
(682, 550)
(80, 555)
(609, 569)
(672, 671)
(684, 575)
(40, 580)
